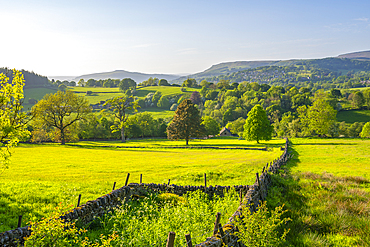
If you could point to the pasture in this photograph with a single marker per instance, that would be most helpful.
(354, 116)
(42, 176)
(326, 190)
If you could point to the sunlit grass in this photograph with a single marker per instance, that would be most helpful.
(326, 189)
(41, 176)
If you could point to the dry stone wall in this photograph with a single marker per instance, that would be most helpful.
(91, 210)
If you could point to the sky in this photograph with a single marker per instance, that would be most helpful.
(72, 38)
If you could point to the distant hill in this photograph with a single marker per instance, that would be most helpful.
(121, 74)
(332, 63)
(223, 69)
(32, 79)
(361, 55)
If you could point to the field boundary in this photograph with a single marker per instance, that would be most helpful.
(94, 209)
(174, 147)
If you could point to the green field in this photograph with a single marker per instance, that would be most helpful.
(354, 116)
(35, 93)
(102, 94)
(326, 190)
(41, 176)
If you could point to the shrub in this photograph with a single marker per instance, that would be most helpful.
(262, 227)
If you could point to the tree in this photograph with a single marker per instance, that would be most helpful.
(163, 82)
(319, 117)
(211, 126)
(365, 130)
(185, 123)
(358, 100)
(257, 126)
(189, 83)
(121, 106)
(163, 102)
(366, 94)
(61, 110)
(12, 119)
(195, 98)
(156, 97)
(126, 84)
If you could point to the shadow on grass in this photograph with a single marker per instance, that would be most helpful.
(322, 213)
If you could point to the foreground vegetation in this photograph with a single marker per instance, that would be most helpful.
(44, 175)
(325, 189)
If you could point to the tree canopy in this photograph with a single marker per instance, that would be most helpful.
(257, 126)
(12, 119)
(61, 110)
(186, 123)
(121, 107)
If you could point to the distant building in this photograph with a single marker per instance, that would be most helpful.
(225, 132)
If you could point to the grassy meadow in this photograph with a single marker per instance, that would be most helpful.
(326, 189)
(354, 116)
(41, 176)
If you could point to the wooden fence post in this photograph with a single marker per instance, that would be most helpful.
(205, 182)
(79, 200)
(141, 178)
(188, 240)
(221, 230)
(215, 228)
(128, 176)
(170, 239)
(20, 221)
(114, 186)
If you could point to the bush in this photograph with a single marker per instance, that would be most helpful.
(262, 227)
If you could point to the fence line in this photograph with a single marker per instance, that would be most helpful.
(94, 209)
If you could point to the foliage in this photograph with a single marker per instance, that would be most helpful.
(53, 231)
(60, 110)
(121, 107)
(237, 127)
(147, 222)
(186, 122)
(163, 102)
(358, 100)
(163, 82)
(211, 126)
(12, 119)
(262, 227)
(189, 83)
(257, 126)
(195, 98)
(365, 130)
(318, 117)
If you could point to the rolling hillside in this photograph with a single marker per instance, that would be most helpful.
(121, 74)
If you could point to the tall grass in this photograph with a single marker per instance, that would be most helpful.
(148, 221)
(326, 190)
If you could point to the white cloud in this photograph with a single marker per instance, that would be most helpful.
(362, 19)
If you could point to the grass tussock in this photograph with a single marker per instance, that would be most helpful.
(326, 210)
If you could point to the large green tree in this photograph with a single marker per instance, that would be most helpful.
(257, 126)
(211, 126)
(121, 107)
(61, 110)
(12, 119)
(317, 118)
(186, 123)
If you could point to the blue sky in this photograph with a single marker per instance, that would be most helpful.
(66, 38)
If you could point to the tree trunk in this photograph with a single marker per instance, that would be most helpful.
(123, 134)
(187, 141)
(62, 137)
